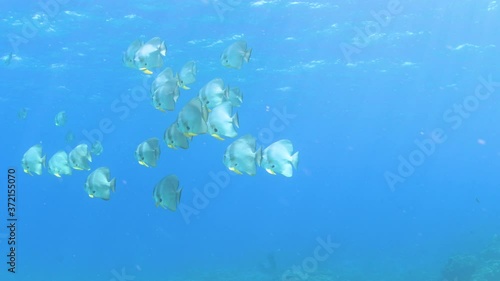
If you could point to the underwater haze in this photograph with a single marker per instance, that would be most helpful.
(391, 104)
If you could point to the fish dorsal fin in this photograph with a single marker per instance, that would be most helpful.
(223, 109)
(153, 143)
(166, 75)
(287, 144)
(241, 45)
(250, 140)
(155, 41)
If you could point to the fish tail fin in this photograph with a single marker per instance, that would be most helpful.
(163, 49)
(236, 120)
(179, 193)
(295, 160)
(44, 158)
(240, 96)
(112, 184)
(258, 156)
(248, 53)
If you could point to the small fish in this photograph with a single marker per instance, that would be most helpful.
(166, 96)
(220, 122)
(174, 138)
(166, 76)
(80, 157)
(277, 158)
(192, 118)
(235, 97)
(22, 113)
(187, 75)
(7, 58)
(99, 184)
(213, 93)
(150, 55)
(60, 119)
(70, 137)
(241, 156)
(59, 164)
(33, 160)
(148, 152)
(96, 148)
(129, 55)
(234, 55)
(167, 193)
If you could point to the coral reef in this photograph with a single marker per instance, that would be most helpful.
(483, 267)
(492, 252)
(490, 271)
(460, 268)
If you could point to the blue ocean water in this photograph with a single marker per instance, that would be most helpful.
(391, 104)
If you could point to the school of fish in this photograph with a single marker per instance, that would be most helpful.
(211, 112)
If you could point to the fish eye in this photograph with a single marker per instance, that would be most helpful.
(93, 191)
(188, 128)
(215, 130)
